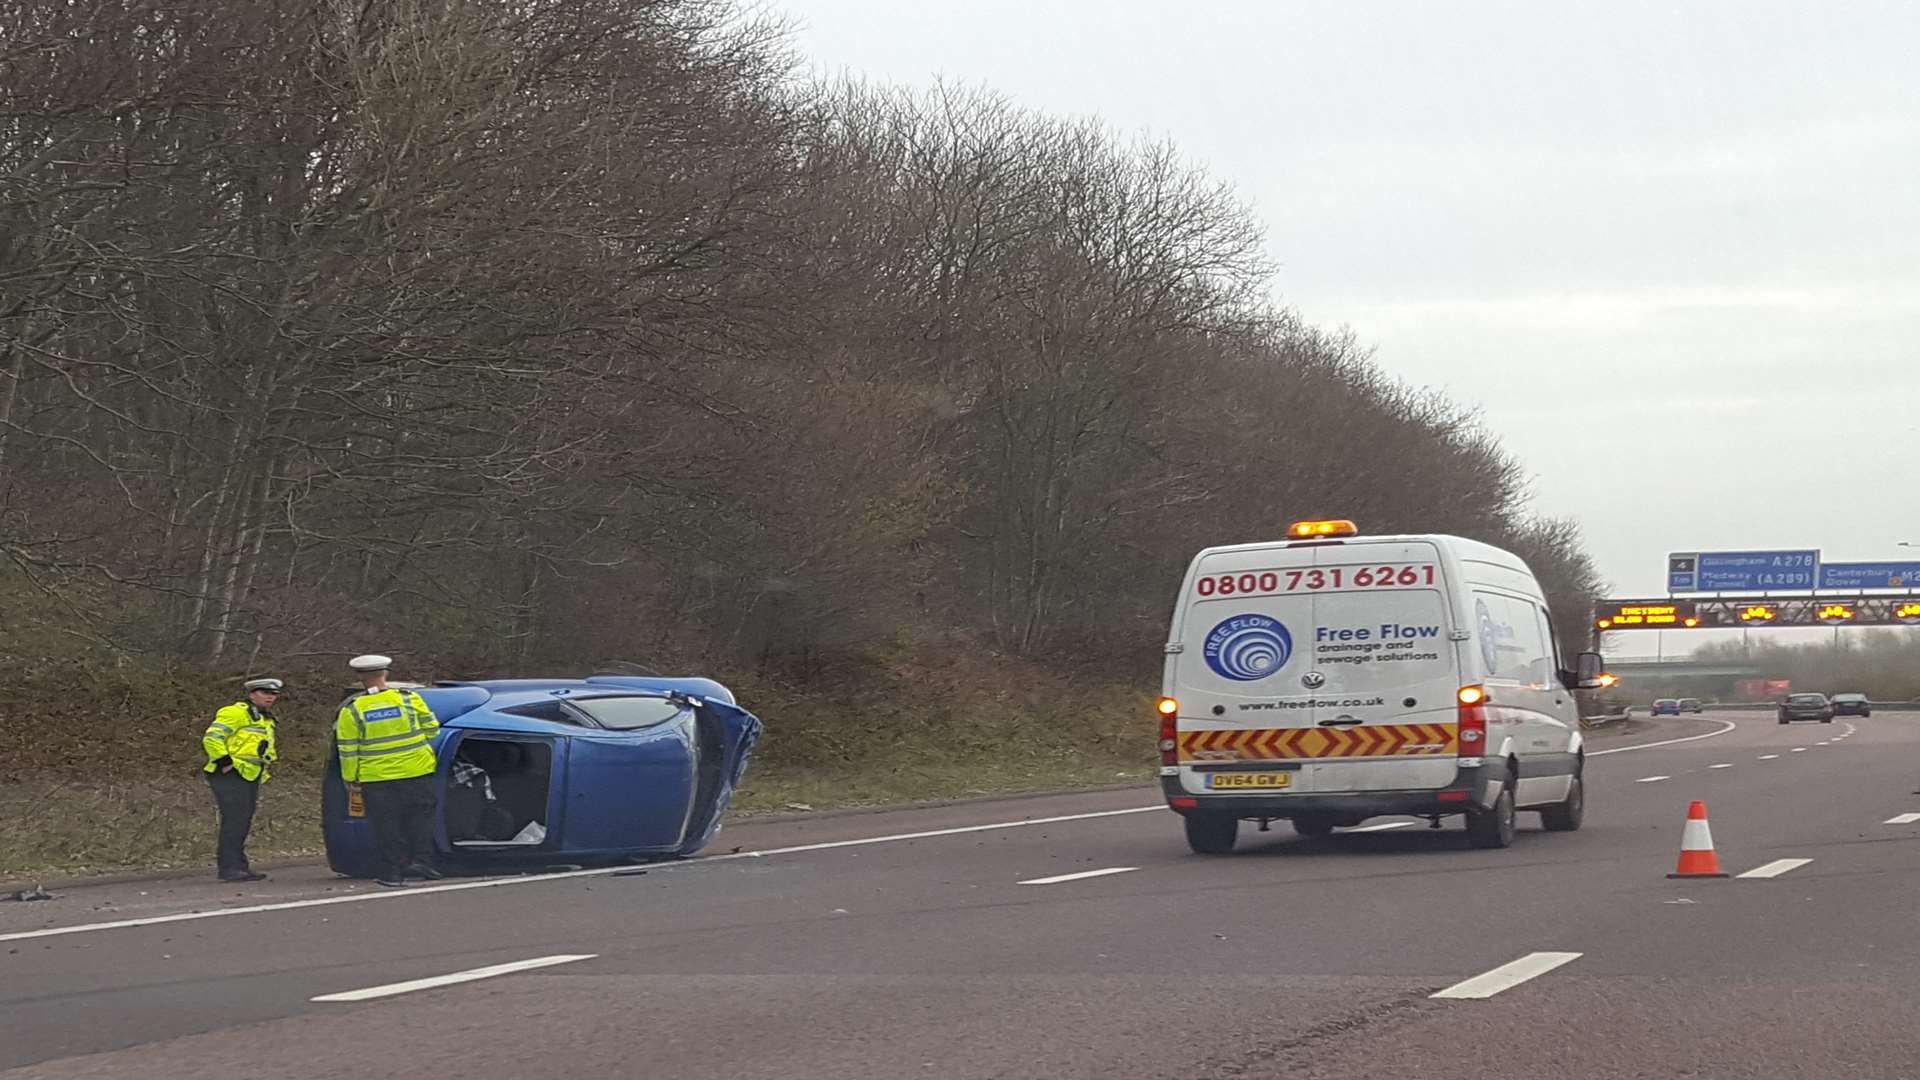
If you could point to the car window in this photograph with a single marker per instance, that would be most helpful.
(1806, 699)
(628, 713)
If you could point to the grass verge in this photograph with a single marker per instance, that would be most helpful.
(884, 730)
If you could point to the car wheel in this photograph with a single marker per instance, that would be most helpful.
(1566, 816)
(1211, 834)
(1313, 828)
(1493, 827)
(1826, 719)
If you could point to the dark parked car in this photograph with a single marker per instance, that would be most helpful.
(1851, 705)
(1666, 706)
(1692, 705)
(545, 772)
(1806, 707)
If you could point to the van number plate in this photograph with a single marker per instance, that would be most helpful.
(1249, 780)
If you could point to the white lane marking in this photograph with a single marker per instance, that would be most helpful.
(1775, 868)
(1799, 749)
(1768, 757)
(532, 879)
(409, 987)
(1081, 876)
(1902, 819)
(1722, 765)
(1508, 976)
(1382, 827)
(1727, 725)
(1652, 779)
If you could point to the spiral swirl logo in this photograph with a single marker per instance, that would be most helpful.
(1248, 647)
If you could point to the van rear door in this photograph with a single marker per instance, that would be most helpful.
(1387, 668)
(1244, 639)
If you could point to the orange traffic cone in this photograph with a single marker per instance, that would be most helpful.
(1696, 846)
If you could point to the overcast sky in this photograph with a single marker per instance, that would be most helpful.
(1671, 250)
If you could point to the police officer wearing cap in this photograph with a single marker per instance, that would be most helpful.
(384, 737)
(241, 747)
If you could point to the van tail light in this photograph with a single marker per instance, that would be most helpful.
(1169, 711)
(1472, 721)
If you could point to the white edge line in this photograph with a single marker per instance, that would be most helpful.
(532, 879)
(1507, 976)
(1775, 868)
(1902, 819)
(1081, 876)
(1652, 779)
(412, 985)
(1728, 726)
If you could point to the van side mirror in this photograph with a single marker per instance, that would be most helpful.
(1588, 669)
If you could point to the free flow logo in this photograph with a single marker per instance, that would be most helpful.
(1248, 647)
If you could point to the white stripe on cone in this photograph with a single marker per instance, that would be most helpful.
(1696, 836)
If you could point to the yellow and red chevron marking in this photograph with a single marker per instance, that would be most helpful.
(1360, 741)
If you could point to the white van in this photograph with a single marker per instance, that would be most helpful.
(1332, 677)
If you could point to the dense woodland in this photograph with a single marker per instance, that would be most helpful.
(564, 333)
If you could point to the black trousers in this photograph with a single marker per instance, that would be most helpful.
(402, 815)
(238, 798)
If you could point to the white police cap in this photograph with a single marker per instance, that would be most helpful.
(274, 685)
(370, 662)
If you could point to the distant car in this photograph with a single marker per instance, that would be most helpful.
(1806, 707)
(1691, 704)
(1851, 705)
(1667, 706)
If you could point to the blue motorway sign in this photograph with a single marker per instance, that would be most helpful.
(1754, 571)
(1682, 572)
(1870, 575)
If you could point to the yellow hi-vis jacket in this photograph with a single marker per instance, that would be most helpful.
(244, 733)
(384, 736)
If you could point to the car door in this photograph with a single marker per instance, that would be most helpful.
(630, 787)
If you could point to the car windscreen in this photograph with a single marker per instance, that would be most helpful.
(628, 713)
(1807, 699)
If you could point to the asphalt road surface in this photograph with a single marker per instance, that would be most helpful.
(942, 943)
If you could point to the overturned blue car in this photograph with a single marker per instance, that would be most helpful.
(540, 772)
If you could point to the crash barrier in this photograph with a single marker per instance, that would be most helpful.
(1751, 706)
(1602, 719)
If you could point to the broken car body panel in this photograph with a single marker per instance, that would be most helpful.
(535, 772)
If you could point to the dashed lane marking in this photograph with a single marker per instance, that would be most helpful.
(1508, 976)
(1081, 876)
(1902, 819)
(1776, 868)
(1722, 765)
(1652, 779)
(411, 986)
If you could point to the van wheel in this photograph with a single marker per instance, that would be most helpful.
(1566, 816)
(1493, 827)
(1211, 834)
(1313, 828)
